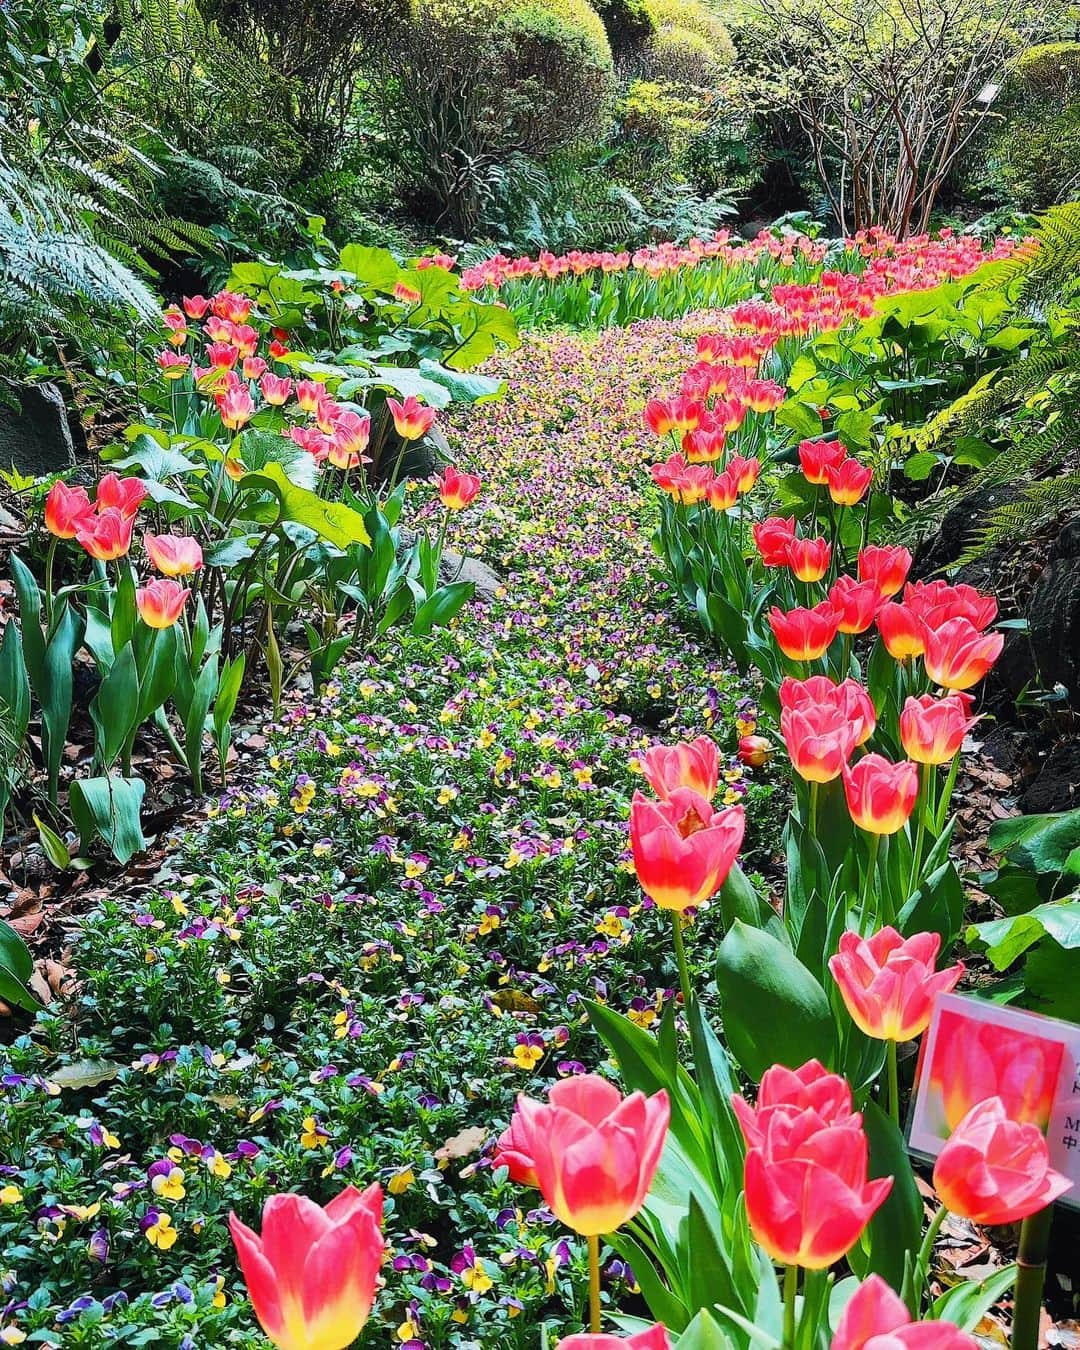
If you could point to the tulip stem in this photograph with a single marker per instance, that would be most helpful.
(814, 790)
(1030, 1277)
(680, 957)
(594, 1283)
(926, 1253)
(50, 559)
(894, 1082)
(791, 1286)
(946, 796)
(871, 869)
(922, 805)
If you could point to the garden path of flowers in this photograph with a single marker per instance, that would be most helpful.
(353, 968)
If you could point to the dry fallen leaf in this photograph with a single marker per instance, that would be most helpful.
(463, 1144)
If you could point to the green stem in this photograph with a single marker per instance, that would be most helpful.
(680, 957)
(1030, 1278)
(894, 1082)
(925, 770)
(50, 558)
(946, 796)
(815, 788)
(926, 1251)
(791, 1286)
(594, 1284)
(871, 869)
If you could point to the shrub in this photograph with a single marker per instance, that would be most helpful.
(1037, 150)
(690, 44)
(471, 83)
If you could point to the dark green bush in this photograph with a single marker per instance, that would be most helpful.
(1036, 152)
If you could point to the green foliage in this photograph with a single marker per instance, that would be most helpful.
(1036, 150)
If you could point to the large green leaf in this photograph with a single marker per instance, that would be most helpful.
(334, 521)
(463, 388)
(774, 1011)
(108, 808)
(115, 707)
(374, 267)
(967, 1303)
(1044, 843)
(483, 328)
(16, 967)
(1006, 939)
(896, 1228)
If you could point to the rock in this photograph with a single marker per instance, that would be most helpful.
(955, 533)
(453, 567)
(1054, 623)
(36, 439)
(1057, 788)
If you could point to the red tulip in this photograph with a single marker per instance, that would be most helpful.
(693, 484)
(888, 567)
(856, 602)
(174, 555)
(754, 751)
(411, 419)
(877, 1319)
(276, 389)
(309, 394)
(790, 1093)
(107, 535)
(173, 365)
(771, 537)
(818, 457)
(683, 850)
(694, 766)
(235, 406)
(744, 471)
(161, 602)
(67, 510)
(512, 1153)
(849, 697)
(936, 602)
(808, 1198)
(902, 631)
(881, 795)
(933, 729)
(705, 445)
(971, 1063)
(311, 1273)
(652, 1338)
(723, 491)
(848, 482)
(595, 1153)
(819, 740)
(957, 655)
(809, 558)
(456, 490)
(122, 494)
(659, 416)
(804, 634)
(994, 1170)
(888, 983)
(195, 306)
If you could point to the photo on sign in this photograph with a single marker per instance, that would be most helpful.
(974, 1050)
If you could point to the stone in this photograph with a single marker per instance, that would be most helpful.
(1057, 788)
(955, 532)
(36, 438)
(1054, 626)
(487, 582)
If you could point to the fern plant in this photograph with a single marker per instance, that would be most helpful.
(1030, 408)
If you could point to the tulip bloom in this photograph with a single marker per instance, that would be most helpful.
(123, 494)
(161, 602)
(704, 446)
(848, 482)
(881, 795)
(972, 1063)
(723, 491)
(172, 365)
(67, 510)
(411, 419)
(902, 631)
(309, 394)
(659, 416)
(849, 697)
(887, 567)
(936, 602)
(817, 458)
(754, 751)
(933, 729)
(790, 1093)
(809, 558)
(683, 850)
(877, 1319)
(652, 1338)
(808, 1198)
(107, 535)
(994, 1170)
(195, 306)
(174, 555)
(804, 634)
(311, 1273)
(512, 1153)
(744, 471)
(957, 655)
(856, 601)
(771, 538)
(595, 1153)
(888, 983)
(456, 490)
(695, 766)
(276, 388)
(235, 406)
(819, 740)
